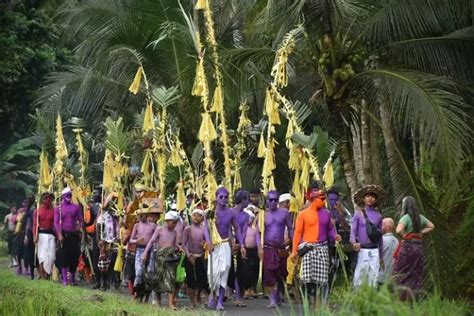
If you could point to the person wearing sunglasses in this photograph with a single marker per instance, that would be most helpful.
(67, 218)
(219, 247)
(275, 255)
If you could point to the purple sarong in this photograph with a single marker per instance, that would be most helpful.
(408, 269)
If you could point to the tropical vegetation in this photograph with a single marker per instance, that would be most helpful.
(384, 88)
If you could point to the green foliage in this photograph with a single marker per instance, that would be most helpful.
(49, 298)
(29, 50)
(17, 172)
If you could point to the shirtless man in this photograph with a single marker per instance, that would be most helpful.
(164, 278)
(220, 253)
(193, 246)
(141, 234)
(274, 247)
(241, 201)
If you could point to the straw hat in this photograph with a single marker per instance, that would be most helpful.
(366, 189)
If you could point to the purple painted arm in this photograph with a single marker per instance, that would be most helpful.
(57, 225)
(354, 227)
(289, 225)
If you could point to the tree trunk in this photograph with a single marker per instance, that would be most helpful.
(357, 154)
(366, 148)
(375, 153)
(348, 167)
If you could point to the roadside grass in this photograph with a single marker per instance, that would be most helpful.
(21, 296)
(370, 301)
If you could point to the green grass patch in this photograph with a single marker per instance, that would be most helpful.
(370, 301)
(21, 296)
(3, 249)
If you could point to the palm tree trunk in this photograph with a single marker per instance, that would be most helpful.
(357, 154)
(375, 153)
(366, 149)
(348, 167)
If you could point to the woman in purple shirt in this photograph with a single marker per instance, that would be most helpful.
(370, 252)
(68, 218)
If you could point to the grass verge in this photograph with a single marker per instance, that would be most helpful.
(21, 296)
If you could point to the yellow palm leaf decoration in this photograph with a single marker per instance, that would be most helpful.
(207, 131)
(135, 86)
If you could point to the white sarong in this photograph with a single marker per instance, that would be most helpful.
(46, 251)
(218, 266)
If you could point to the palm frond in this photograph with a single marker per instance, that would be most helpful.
(426, 103)
(398, 20)
(449, 55)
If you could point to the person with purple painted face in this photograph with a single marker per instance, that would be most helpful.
(219, 262)
(67, 217)
(274, 247)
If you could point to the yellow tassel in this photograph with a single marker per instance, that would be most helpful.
(328, 176)
(261, 152)
(304, 176)
(148, 122)
(271, 108)
(180, 196)
(45, 179)
(271, 183)
(218, 100)
(202, 5)
(200, 83)
(61, 149)
(108, 171)
(119, 261)
(145, 169)
(135, 86)
(207, 132)
(211, 186)
(175, 158)
(294, 162)
(215, 237)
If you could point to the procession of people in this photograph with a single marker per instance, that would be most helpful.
(234, 249)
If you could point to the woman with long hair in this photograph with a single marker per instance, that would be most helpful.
(409, 258)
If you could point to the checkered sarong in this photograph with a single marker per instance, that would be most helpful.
(315, 264)
(104, 262)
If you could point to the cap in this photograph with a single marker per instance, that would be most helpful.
(284, 197)
(66, 190)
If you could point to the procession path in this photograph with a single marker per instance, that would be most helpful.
(84, 294)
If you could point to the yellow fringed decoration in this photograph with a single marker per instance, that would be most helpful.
(261, 152)
(215, 237)
(271, 183)
(45, 178)
(180, 196)
(304, 176)
(119, 261)
(61, 149)
(199, 85)
(218, 100)
(145, 169)
(328, 176)
(108, 177)
(212, 186)
(202, 5)
(148, 121)
(175, 158)
(271, 108)
(135, 86)
(207, 132)
(294, 162)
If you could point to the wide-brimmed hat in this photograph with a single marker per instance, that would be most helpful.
(366, 189)
(148, 209)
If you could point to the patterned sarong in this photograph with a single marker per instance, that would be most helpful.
(161, 275)
(315, 264)
(408, 268)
